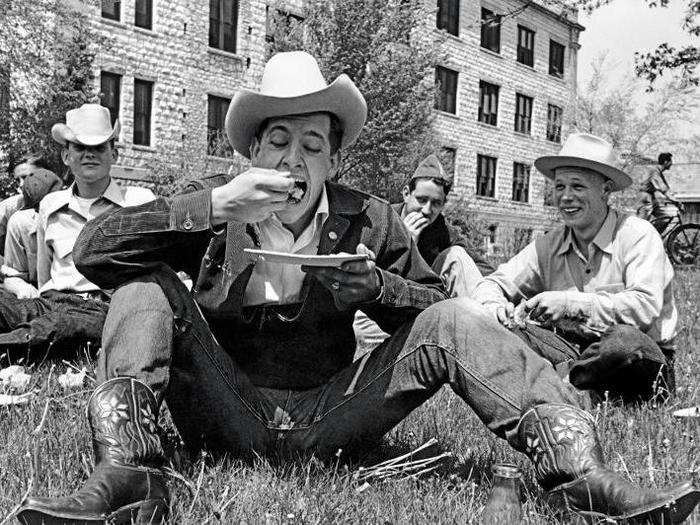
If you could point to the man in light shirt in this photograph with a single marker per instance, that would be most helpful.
(68, 307)
(19, 269)
(603, 282)
(259, 360)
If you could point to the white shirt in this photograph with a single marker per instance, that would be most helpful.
(274, 283)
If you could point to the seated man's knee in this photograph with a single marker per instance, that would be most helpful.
(458, 313)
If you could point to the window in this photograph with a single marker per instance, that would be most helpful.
(488, 103)
(523, 113)
(110, 91)
(554, 118)
(556, 59)
(521, 182)
(143, 15)
(277, 21)
(448, 16)
(490, 30)
(217, 144)
(526, 46)
(446, 80)
(548, 192)
(143, 100)
(485, 176)
(111, 9)
(447, 158)
(223, 22)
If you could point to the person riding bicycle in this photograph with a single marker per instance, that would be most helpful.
(659, 206)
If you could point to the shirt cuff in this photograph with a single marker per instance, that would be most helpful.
(191, 212)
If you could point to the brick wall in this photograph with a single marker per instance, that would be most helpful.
(470, 137)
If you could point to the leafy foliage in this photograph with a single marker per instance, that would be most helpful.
(46, 54)
(373, 41)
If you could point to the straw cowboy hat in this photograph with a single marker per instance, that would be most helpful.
(292, 84)
(88, 125)
(582, 150)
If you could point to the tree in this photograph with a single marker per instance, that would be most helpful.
(378, 44)
(638, 131)
(46, 54)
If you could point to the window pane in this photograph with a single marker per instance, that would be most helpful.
(526, 46)
(143, 16)
(488, 103)
(143, 93)
(554, 120)
(485, 175)
(447, 89)
(110, 87)
(214, 21)
(521, 182)
(217, 143)
(556, 59)
(490, 30)
(523, 113)
(111, 9)
(448, 16)
(223, 24)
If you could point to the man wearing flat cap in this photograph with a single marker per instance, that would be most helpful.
(68, 306)
(459, 266)
(603, 281)
(258, 359)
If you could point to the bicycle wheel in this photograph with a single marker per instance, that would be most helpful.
(683, 244)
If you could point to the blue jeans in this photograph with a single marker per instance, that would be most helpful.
(215, 405)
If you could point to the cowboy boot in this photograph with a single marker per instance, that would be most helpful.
(562, 443)
(127, 485)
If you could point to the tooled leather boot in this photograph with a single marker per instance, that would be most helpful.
(127, 485)
(562, 443)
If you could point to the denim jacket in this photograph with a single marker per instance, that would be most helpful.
(291, 346)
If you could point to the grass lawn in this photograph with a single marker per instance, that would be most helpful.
(646, 443)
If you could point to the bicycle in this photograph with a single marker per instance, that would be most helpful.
(681, 240)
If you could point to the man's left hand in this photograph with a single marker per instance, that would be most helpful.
(354, 282)
(550, 307)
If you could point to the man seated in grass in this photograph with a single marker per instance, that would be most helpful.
(258, 358)
(19, 269)
(459, 267)
(67, 306)
(602, 282)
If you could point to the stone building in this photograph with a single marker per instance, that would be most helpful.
(168, 70)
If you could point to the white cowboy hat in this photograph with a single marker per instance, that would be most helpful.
(582, 150)
(88, 125)
(292, 84)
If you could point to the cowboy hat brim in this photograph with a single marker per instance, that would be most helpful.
(547, 165)
(63, 134)
(249, 109)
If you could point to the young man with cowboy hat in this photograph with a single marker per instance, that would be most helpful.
(69, 306)
(258, 359)
(19, 268)
(602, 281)
(459, 267)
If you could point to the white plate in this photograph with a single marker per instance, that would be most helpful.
(332, 261)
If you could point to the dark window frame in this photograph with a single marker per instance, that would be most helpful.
(554, 121)
(526, 46)
(523, 113)
(143, 18)
(488, 103)
(114, 10)
(521, 182)
(557, 52)
(486, 167)
(447, 17)
(216, 129)
(490, 30)
(143, 119)
(219, 37)
(447, 81)
(112, 100)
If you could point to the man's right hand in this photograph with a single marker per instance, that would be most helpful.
(415, 222)
(252, 196)
(21, 288)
